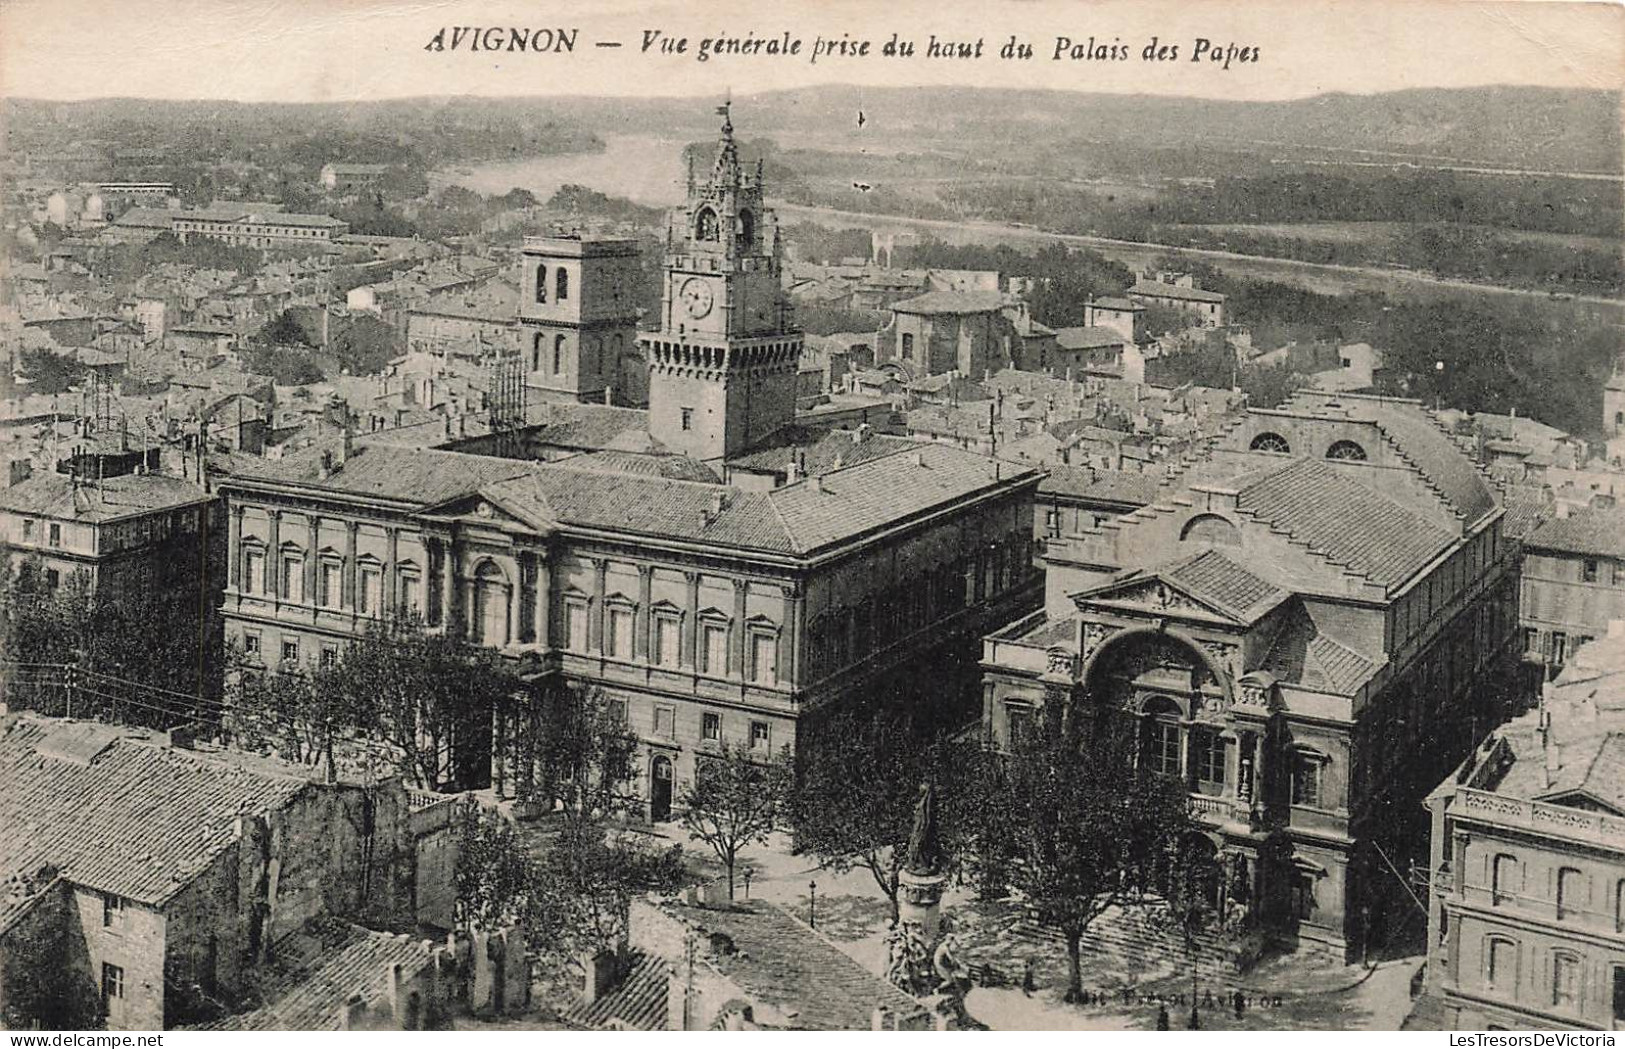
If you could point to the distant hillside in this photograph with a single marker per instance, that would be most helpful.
(1542, 129)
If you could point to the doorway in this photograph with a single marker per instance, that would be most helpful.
(660, 788)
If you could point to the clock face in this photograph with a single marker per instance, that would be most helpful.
(696, 296)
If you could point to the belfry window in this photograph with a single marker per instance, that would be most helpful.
(705, 225)
(561, 285)
(541, 283)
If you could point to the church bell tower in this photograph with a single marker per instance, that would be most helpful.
(722, 367)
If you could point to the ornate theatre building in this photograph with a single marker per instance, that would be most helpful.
(1311, 624)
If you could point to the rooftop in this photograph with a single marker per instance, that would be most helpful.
(1154, 289)
(1109, 486)
(1089, 337)
(121, 811)
(951, 302)
(1595, 531)
(110, 499)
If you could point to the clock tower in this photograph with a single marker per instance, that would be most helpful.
(722, 367)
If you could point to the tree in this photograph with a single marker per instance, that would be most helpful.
(1073, 822)
(567, 749)
(282, 330)
(734, 802)
(856, 782)
(1187, 882)
(48, 371)
(431, 695)
(366, 344)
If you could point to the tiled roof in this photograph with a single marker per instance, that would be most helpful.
(1599, 531)
(640, 1002)
(1110, 486)
(1153, 289)
(588, 426)
(819, 450)
(118, 811)
(1212, 577)
(1527, 507)
(782, 963)
(1432, 451)
(311, 979)
(415, 475)
(1303, 656)
(1115, 303)
(951, 302)
(110, 499)
(1090, 337)
(1353, 525)
(674, 467)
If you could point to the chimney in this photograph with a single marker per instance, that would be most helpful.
(817, 481)
(598, 971)
(862, 433)
(609, 395)
(919, 459)
(792, 471)
(397, 1000)
(719, 503)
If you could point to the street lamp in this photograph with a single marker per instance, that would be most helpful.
(812, 904)
(748, 873)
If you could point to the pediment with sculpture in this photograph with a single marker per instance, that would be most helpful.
(1152, 596)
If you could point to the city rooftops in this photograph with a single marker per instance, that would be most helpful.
(1594, 531)
(58, 496)
(1114, 303)
(1089, 337)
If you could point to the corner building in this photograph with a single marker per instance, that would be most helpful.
(1310, 623)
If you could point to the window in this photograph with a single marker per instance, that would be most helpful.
(759, 735)
(1271, 442)
(1303, 895)
(53, 578)
(561, 285)
(714, 653)
(558, 355)
(687, 418)
(251, 646)
(617, 711)
(1531, 639)
(668, 640)
(764, 658)
(56, 540)
(293, 577)
(1306, 779)
(112, 982)
(411, 590)
(1565, 980)
(1588, 570)
(1164, 745)
(1347, 451)
(369, 591)
(1210, 528)
(665, 722)
(330, 584)
(330, 656)
(112, 911)
(620, 632)
(711, 727)
(541, 283)
(290, 650)
(254, 572)
(1019, 716)
(908, 346)
(1052, 523)
(536, 352)
(575, 625)
(1506, 879)
(1208, 750)
(28, 529)
(1571, 892)
(1619, 905)
(1560, 646)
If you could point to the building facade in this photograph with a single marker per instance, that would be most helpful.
(1573, 581)
(245, 229)
(1179, 291)
(941, 331)
(1277, 620)
(1527, 915)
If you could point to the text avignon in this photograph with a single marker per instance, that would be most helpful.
(503, 38)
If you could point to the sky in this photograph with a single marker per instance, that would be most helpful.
(334, 50)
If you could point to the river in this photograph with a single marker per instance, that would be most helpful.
(646, 169)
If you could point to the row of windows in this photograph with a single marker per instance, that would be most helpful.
(1573, 891)
(590, 362)
(54, 532)
(254, 650)
(1502, 964)
(712, 642)
(288, 581)
(1554, 646)
(561, 284)
(760, 737)
(1346, 451)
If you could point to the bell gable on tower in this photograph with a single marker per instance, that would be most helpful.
(722, 368)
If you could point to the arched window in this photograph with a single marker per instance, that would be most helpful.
(908, 346)
(747, 229)
(1506, 879)
(561, 285)
(705, 225)
(1500, 963)
(1571, 892)
(558, 355)
(1271, 442)
(541, 283)
(1347, 451)
(490, 604)
(536, 352)
(1210, 528)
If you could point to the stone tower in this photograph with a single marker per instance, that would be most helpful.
(579, 319)
(722, 368)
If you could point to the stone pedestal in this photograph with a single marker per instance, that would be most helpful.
(919, 904)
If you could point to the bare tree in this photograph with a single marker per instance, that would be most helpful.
(734, 802)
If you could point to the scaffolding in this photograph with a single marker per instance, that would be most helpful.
(505, 402)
